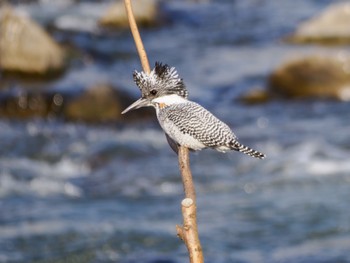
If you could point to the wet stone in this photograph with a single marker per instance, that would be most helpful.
(101, 103)
(329, 27)
(30, 105)
(26, 48)
(146, 13)
(314, 76)
(255, 96)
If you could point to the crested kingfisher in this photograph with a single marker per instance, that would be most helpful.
(184, 122)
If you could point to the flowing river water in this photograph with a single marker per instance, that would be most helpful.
(74, 192)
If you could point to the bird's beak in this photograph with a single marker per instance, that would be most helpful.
(137, 104)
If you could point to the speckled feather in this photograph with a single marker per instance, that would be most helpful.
(202, 128)
(162, 78)
(185, 122)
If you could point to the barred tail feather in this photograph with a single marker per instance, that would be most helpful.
(245, 149)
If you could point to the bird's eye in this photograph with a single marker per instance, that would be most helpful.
(153, 92)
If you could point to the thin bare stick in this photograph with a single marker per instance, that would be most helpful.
(137, 38)
(188, 232)
(184, 165)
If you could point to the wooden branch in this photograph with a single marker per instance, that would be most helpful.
(137, 38)
(188, 232)
(184, 165)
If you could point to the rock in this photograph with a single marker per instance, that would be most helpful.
(26, 48)
(98, 103)
(30, 105)
(101, 103)
(145, 12)
(316, 76)
(331, 26)
(255, 96)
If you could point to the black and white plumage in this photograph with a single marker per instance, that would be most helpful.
(185, 122)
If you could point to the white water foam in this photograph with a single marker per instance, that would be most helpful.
(25, 176)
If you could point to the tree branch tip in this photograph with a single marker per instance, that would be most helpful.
(187, 202)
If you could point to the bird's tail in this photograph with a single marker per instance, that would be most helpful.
(245, 149)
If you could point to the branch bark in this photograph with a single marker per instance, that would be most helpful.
(137, 38)
(184, 165)
(188, 232)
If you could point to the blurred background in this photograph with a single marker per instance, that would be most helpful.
(81, 183)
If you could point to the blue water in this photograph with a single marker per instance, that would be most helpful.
(72, 192)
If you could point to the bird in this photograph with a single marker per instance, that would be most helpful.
(185, 122)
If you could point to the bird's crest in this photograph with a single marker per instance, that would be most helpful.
(163, 78)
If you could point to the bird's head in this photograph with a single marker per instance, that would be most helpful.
(162, 81)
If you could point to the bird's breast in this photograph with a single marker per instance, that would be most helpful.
(178, 134)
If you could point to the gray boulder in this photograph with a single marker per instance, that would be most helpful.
(145, 13)
(101, 103)
(332, 26)
(314, 76)
(25, 47)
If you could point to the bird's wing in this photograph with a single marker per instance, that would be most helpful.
(173, 145)
(191, 118)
